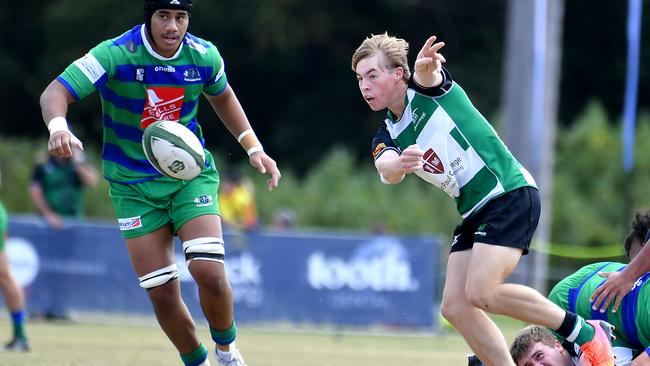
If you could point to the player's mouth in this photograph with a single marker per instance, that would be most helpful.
(170, 39)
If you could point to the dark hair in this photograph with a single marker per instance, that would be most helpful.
(151, 6)
(639, 230)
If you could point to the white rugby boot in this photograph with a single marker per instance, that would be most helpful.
(236, 358)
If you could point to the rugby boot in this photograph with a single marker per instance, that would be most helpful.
(598, 351)
(17, 345)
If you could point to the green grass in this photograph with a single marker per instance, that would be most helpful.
(143, 343)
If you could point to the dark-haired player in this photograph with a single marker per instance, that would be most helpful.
(158, 71)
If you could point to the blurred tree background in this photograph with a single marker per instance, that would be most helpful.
(289, 62)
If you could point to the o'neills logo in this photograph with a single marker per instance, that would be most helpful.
(432, 163)
(129, 223)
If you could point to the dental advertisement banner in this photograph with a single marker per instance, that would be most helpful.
(285, 276)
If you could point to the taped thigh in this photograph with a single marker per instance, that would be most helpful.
(205, 248)
(159, 277)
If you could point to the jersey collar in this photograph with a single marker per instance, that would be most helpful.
(147, 45)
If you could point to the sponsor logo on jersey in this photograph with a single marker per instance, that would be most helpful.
(164, 69)
(129, 223)
(139, 74)
(163, 104)
(131, 47)
(191, 75)
(91, 67)
(455, 241)
(432, 163)
(203, 200)
(378, 149)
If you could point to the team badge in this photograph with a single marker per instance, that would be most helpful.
(191, 75)
(203, 200)
(131, 47)
(432, 163)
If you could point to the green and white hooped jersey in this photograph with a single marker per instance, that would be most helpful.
(464, 156)
(137, 87)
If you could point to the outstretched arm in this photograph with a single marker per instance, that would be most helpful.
(54, 108)
(428, 65)
(231, 113)
(619, 284)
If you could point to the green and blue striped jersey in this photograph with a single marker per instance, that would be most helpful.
(463, 154)
(137, 87)
(632, 320)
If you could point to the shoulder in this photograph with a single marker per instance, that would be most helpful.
(200, 46)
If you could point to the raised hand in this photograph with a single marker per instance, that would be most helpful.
(428, 65)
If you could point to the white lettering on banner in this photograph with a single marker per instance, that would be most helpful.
(246, 280)
(381, 265)
(23, 260)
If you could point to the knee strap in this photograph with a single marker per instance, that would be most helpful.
(159, 277)
(206, 248)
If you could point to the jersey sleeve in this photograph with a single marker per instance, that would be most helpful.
(89, 72)
(437, 91)
(382, 142)
(218, 81)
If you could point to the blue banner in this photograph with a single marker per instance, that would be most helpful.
(296, 277)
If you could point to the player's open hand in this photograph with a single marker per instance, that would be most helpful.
(614, 289)
(61, 144)
(428, 65)
(265, 165)
(411, 159)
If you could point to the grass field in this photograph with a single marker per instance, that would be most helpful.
(98, 343)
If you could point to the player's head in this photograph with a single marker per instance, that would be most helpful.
(167, 22)
(535, 345)
(381, 64)
(637, 237)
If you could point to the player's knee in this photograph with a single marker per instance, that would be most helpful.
(204, 249)
(478, 296)
(159, 277)
(453, 306)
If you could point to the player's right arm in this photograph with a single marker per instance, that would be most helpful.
(392, 165)
(54, 107)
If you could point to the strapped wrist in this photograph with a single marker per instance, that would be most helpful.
(57, 124)
(249, 142)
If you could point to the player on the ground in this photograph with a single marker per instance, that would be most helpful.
(433, 130)
(158, 71)
(12, 293)
(632, 321)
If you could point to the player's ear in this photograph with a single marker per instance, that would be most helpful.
(399, 73)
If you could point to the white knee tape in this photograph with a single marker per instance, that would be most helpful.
(206, 249)
(159, 277)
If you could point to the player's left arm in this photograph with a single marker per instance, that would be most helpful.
(619, 284)
(231, 113)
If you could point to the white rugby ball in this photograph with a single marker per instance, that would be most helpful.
(173, 150)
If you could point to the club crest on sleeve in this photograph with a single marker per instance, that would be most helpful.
(378, 149)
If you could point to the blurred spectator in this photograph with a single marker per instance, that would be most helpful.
(237, 203)
(284, 219)
(57, 187)
(11, 292)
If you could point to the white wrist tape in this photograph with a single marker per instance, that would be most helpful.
(253, 150)
(57, 124)
(244, 134)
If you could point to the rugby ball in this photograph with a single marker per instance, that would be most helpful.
(173, 150)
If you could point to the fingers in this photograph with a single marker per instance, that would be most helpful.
(428, 43)
(60, 144)
(617, 303)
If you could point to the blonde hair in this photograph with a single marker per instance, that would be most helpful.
(527, 338)
(393, 49)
